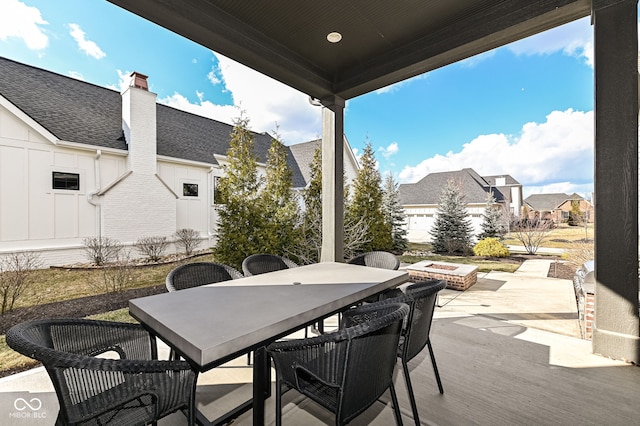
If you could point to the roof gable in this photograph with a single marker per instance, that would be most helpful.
(428, 190)
(84, 113)
(549, 202)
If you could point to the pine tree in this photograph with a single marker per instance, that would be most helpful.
(311, 232)
(280, 205)
(576, 216)
(366, 204)
(355, 234)
(491, 221)
(240, 219)
(394, 215)
(451, 231)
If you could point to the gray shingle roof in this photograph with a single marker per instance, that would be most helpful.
(428, 190)
(303, 155)
(76, 111)
(509, 180)
(541, 202)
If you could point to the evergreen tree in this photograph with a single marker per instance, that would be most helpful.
(366, 204)
(311, 232)
(491, 221)
(280, 205)
(240, 219)
(451, 231)
(394, 215)
(576, 216)
(355, 234)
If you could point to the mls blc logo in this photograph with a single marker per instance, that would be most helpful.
(28, 409)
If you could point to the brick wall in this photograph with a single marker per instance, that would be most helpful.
(460, 278)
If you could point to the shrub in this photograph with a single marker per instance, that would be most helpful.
(490, 247)
(101, 250)
(15, 277)
(118, 275)
(187, 238)
(152, 247)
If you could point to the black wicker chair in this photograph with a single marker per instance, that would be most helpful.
(421, 298)
(136, 389)
(196, 274)
(257, 264)
(344, 371)
(199, 273)
(377, 259)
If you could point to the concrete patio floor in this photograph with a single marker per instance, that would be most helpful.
(508, 351)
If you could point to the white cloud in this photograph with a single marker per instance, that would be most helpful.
(76, 75)
(87, 46)
(22, 21)
(266, 102)
(558, 150)
(390, 150)
(573, 39)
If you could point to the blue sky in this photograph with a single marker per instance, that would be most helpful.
(525, 109)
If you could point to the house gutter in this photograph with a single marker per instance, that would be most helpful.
(93, 193)
(210, 180)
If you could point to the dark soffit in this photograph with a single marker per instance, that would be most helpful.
(384, 41)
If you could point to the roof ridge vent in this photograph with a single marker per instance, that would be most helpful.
(139, 80)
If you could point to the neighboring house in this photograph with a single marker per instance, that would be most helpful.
(302, 155)
(79, 160)
(420, 200)
(556, 207)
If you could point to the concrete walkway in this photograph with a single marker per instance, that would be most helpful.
(526, 297)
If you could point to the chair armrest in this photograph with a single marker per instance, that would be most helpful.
(313, 355)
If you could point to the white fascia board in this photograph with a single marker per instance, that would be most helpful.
(350, 153)
(175, 160)
(87, 147)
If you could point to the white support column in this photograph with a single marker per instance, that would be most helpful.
(332, 180)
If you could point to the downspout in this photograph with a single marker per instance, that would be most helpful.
(210, 180)
(93, 193)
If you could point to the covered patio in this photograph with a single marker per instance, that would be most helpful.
(501, 362)
(337, 50)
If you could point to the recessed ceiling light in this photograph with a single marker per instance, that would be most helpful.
(334, 37)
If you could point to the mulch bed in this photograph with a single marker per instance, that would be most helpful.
(76, 308)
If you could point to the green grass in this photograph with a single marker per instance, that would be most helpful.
(10, 359)
(53, 285)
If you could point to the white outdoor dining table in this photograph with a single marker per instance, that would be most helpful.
(211, 324)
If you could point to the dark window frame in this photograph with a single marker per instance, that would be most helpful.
(65, 181)
(189, 189)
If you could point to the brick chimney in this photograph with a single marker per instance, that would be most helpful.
(139, 80)
(139, 124)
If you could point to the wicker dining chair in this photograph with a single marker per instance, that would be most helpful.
(262, 263)
(135, 389)
(377, 259)
(196, 274)
(199, 273)
(421, 298)
(344, 371)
